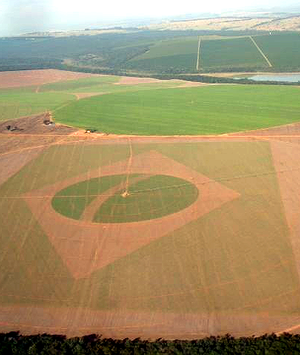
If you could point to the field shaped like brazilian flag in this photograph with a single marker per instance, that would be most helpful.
(125, 238)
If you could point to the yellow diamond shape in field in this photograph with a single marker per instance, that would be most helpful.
(85, 246)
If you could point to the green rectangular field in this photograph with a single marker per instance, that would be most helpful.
(283, 50)
(230, 53)
(178, 54)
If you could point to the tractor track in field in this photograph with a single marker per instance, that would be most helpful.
(261, 52)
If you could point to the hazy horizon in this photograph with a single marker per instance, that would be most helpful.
(21, 16)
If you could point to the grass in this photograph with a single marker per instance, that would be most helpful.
(155, 197)
(78, 85)
(14, 104)
(203, 110)
(230, 53)
(18, 102)
(236, 259)
(283, 50)
(73, 200)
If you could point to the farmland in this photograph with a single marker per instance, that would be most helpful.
(149, 52)
(177, 54)
(199, 110)
(28, 100)
(18, 104)
(176, 259)
(143, 235)
(228, 53)
(282, 50)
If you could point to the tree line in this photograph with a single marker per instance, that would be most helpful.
(14, 343)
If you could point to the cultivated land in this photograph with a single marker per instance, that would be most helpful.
(228, 53)
(134, 236)
(153, 52)
(220, 53)
(185, 111)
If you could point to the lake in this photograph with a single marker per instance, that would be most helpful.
(290, 78)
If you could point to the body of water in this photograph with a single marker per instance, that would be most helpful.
(290, 78)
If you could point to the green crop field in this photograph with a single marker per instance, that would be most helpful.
(102, 85)
(283, 50)
(25, 101)
(78, 85)
(153, 197)
(18, 103)
(180, 54)
(228, 53)
(201, 110)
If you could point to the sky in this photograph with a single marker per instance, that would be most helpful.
(19, 16)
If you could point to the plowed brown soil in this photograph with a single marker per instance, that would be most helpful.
(14, 79)
(34, 125)
(147, 325)
(127, 80)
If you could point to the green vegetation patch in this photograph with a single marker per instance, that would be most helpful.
(154, 197)
(283, 50)
(202, 110)
(73, 200)
(230, 53)
(75, 85)
(171, 48)
(17, 104)
(182, 63)
(166, 56)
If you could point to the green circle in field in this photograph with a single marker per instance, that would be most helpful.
(123, 199)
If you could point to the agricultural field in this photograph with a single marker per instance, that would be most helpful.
(82, 253)
(178, 54)
(187, 111)
(144, 235)
(283, 50)
(38, 96)
(260, 52)
(18, 104)
(231, 53)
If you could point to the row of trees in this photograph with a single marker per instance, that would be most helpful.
(14, 343)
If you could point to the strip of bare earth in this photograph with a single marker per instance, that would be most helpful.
(198, 55)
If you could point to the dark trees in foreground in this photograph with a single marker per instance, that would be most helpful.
(14, 343)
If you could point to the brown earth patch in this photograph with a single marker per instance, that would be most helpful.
(132, 324)
(127, 80)
(189, 84)
(14, 79)
(11, 163)
(84, 95)
(34, 125)
(292, 129)
(21, 143)
(285, 133)
(286, 162)
(86, 247)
